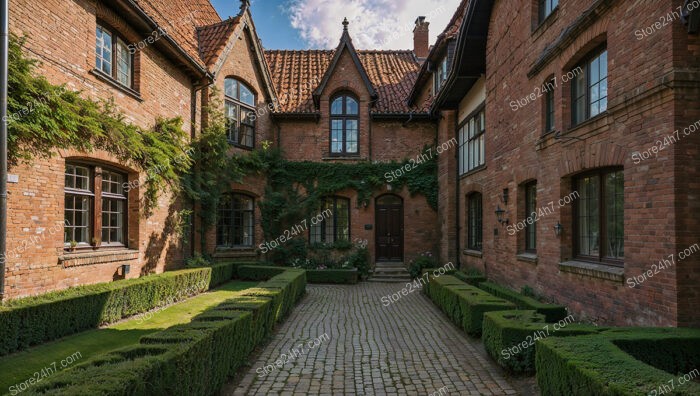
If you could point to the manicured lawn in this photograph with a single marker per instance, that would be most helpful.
(21, 366)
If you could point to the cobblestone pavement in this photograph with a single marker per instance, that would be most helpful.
(406, 348)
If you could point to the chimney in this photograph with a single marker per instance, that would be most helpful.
(421, 38)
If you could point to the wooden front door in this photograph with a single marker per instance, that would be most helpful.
(389, 231)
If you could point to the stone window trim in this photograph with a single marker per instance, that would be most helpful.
(95, 197)
(103, 256)
(526, 257)
(593, 270)
(118, 40)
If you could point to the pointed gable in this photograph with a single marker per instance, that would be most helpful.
(345, 45)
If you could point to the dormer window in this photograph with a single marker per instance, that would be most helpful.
(240, 113)
(345, 124)
(440, 76)
(113, 57)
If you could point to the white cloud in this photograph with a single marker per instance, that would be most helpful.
(374, 24)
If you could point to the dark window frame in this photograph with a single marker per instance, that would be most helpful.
(344, 117)
(465, 144)
(96, 197)
(475, 222)
(232, 227)
(601, 258)
(585, 65)
(530, 208)
(542, 9)
(241, 123)
(323, 224)
(549, 106)
(116, 37)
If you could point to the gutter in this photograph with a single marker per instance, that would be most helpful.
(4, 47)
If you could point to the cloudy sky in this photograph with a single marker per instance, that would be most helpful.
(374, 24)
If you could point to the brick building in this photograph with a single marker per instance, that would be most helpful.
(164, 59)
(576, 174)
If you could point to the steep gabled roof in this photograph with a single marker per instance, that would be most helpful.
(213, 38)
(179, 18)
(345, 44)
(300, 77)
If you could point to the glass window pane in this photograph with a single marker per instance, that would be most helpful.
(123, 64)
(103, 50)
(231, 88)
(247, 96)
(352, 107)
(337, 106)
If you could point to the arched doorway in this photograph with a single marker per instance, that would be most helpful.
(389, 231)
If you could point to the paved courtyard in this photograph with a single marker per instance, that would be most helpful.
(405, 348)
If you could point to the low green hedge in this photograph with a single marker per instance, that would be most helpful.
(36, 320)
(510, 336)
(553, 313)
(465, 305)
(623, 361)
(188, 359)
(473, 280)
(339, 276)
(258, 272)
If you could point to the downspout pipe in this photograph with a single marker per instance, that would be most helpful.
(4, 44)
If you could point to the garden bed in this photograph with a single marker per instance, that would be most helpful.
(192, 358)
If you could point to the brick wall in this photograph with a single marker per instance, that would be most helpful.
(659, 218)
(61, 35)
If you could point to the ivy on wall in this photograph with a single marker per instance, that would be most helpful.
(43, 117)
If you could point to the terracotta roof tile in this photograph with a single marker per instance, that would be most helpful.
(213, 38)
(296, 74)
(179, 18)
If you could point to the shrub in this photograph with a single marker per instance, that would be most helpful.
(470, 278)
(258, 272)
(552, 313)
(596, 364)
(417, 265)
(35, 320)
(189, 359)
(509, 337)
(340, 276)
(465, 305)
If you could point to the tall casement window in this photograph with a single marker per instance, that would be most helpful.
(240, 113)
(235, 225)
(345, 124)
(474, 222)
(599, 216)
(335, 225)
(590, 87)
(531, 212)
(94, 217)
(471, 143)
(113, 57)
(546, 7)
(549, 107)
(440, 75)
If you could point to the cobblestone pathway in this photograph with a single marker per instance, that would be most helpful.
(406, 348)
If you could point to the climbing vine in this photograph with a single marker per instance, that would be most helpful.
(43, 117)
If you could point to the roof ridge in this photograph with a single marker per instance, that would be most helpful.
(223, 22)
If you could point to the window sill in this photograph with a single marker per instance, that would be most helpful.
(527, 257)
(473, 253)
(593, 270)
(342, 158)
(473, 171)
(109, 80)
(82, 258)
(585, 123)
(240, 146)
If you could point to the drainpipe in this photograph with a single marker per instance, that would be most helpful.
(4, 44)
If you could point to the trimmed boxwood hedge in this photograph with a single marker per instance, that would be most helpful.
(36, 320)
(188, 359)
(552, 313)
(608, 363)
(473, 280)
(339, 276)
(465, 305)
(258, 272)
(504, 330)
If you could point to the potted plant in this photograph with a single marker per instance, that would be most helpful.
(73, 244)
(96, 242)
